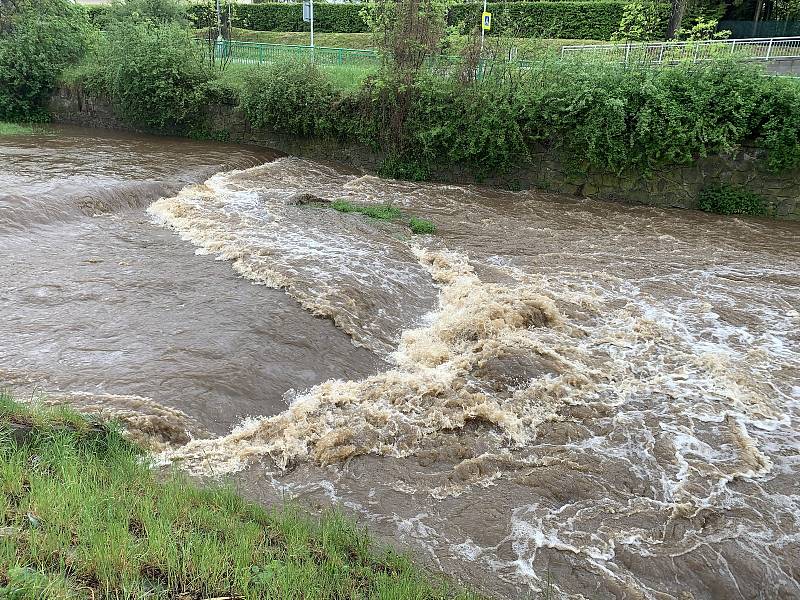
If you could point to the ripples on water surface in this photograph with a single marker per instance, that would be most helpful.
(602, 392)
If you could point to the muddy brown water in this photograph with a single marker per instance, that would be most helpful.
(602, 395)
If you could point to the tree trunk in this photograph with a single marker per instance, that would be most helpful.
(675, 19)
(757, 18)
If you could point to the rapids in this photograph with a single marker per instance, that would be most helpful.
(602, 395)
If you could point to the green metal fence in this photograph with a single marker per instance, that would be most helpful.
(254, 53)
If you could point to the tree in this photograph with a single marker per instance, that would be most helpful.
(641, 22)
(676, 18)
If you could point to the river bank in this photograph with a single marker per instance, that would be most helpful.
(82, 515)
(671, 186)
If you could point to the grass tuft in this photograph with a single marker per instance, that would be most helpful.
(382, 212)
(421, 226)
(83, 517)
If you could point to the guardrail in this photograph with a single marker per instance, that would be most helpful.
(256, 53)
(763, 49)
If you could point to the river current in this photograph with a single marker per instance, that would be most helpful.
(600, 395)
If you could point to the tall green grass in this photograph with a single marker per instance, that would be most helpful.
(82, 516)
(14, 129)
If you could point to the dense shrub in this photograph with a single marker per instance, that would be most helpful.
(39, 40)
(607, 117)
(289, 97)
(642, 21)
(97, 14)
(157, 11)
(731, 200)
(155, 76)
(778, 122)
(596, 116)
(452, 124)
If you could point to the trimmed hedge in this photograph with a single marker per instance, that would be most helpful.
(570, 20)
(328, 18)
(596, 19)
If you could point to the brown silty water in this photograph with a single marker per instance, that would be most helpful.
(602, 395)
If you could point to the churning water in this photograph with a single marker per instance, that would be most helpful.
(604, 395)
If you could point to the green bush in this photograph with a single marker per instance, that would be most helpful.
(155, 76)
(474, 126)
(97, 14)
(157, 11)
(642, 21)
(595, 116)
(289, 97)
(613, 118)
(777, 122)
(731, 200)
(40, 40)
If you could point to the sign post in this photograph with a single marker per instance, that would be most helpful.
(486, 23)
(308, 16)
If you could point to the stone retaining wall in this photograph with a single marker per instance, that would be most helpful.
(677, 186)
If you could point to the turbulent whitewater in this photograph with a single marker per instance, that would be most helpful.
(601, 395)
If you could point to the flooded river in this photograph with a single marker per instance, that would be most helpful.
(601, 395)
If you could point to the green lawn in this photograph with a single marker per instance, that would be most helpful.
(343, 77)
(525, 46)
(292, 38)
(82, 516)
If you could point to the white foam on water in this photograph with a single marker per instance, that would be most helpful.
(676, 414)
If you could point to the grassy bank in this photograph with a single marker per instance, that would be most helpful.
(81, 516)
(344, 78)
(14, 129)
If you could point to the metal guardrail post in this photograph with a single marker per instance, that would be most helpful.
(769, 49)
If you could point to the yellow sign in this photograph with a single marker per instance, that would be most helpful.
(486, 24)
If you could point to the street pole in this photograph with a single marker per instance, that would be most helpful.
(483, 31)
(312, 24)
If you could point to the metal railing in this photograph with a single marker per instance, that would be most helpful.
(255, 53)
(763, 49)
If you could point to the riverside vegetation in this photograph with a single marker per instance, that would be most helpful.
(599, 116)
(83, 516)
